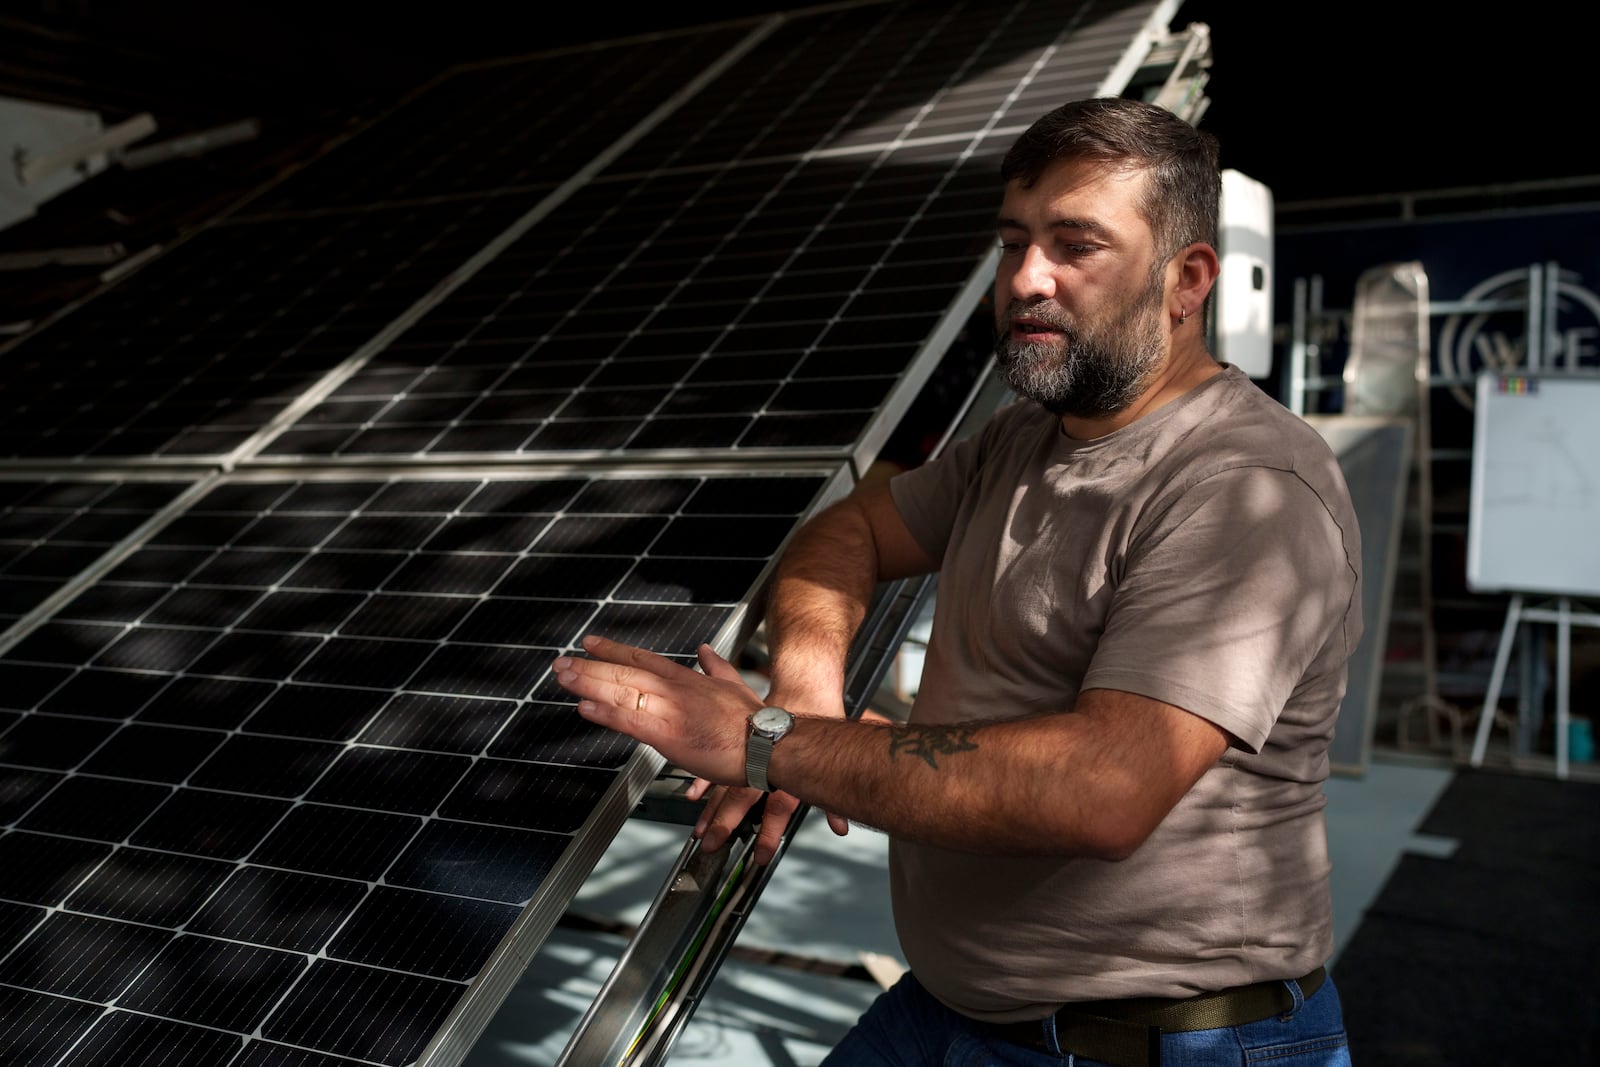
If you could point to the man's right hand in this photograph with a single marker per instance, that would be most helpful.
(727, 807)
(824, 583)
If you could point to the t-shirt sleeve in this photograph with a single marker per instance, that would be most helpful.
(930, 497)
(1227, 598)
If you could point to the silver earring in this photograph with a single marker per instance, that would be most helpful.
(1183, 316)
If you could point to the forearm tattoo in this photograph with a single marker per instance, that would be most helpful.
(929, 743)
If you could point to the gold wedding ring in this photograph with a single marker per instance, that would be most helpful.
(639, 705)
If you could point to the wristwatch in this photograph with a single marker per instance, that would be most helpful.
(767, 727)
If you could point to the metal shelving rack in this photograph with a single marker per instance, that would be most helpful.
(1415, 677)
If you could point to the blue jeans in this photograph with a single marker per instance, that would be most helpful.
(907, 1027)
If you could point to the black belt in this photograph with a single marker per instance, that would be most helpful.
(1127, 1033)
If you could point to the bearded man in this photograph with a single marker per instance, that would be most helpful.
(1105, 813)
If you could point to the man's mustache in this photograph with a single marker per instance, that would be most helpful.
(1043, 312)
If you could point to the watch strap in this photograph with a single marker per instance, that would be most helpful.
(757, 758)
(768, 726)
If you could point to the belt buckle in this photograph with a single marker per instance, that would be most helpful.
(1113, 1041)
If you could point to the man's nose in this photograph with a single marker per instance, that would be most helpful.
(1034, 276)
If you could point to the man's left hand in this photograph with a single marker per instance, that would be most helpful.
(697, 721)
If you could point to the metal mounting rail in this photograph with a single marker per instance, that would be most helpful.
(694, 920)
(1175, 73)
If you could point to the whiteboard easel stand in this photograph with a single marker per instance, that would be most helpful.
(1565, 618)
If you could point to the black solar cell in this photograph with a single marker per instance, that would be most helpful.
(507, 124)
(190, 355)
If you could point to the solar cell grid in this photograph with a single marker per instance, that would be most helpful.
(692, 393)
(746, 302)
(269, 1054)
(452, 935)
(245, 981)
(100, 809)
(437, 723)
(281, 909)
(790, 76)
(318, 818)
(101, 692)
(197, 350)
(15, 921)
(410, 782)
(36, 1028)
(266, 766)
(529, 122)
(52, 529)
(154, 888)
(210, 823)
(220, 702)
(48, 742)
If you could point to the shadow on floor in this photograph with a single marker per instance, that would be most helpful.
(1492, 955)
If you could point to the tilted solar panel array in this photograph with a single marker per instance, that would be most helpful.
(513, 125)
(301, 749)
(298, 512)
(197, 351)
(191, 355)
(745, 279)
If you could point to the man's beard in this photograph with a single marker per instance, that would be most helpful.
(1101, 368)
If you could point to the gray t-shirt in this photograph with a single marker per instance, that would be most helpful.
(1206, 555)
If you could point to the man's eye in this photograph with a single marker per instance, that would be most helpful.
(1082, 250)
(1010, 248)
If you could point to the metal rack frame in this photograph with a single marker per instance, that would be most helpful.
(1317, 330)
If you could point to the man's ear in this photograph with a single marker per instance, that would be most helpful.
(1197, 268)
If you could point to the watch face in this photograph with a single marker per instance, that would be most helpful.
(769, 719)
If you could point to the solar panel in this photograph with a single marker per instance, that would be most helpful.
(284, 780)
(512, 124)
(198, 350)
(760, 279)
(53, 529)
(293, 770)
(586, 342)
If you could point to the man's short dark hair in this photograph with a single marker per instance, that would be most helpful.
(1180, 201)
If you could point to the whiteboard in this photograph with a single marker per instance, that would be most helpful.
(1534, 519)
